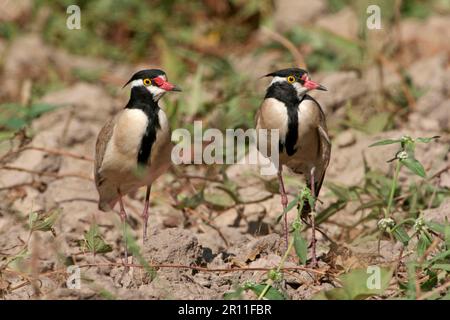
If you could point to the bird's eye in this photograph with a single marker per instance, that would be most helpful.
(147, 82)
(291, 79)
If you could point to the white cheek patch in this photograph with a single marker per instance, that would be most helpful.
(156, 92)
(301, 90)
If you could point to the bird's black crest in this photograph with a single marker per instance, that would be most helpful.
(147, 73)
(296, 72)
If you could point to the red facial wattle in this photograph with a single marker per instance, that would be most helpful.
(163, 84)
(311, 85)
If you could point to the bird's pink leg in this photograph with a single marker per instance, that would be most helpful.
(313, 222)
(284, 202)
(145, 212)
(123, 219)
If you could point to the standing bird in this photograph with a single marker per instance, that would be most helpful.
(304, 145)
(133, 149)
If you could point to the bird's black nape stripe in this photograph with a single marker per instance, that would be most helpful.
(142, 99)
(286, 93)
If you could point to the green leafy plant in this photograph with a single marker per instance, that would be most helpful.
(15, 116)
(405, 157)
(427, 233)
(356, 286)
(93, 241)
(260, 290)
(43, 221)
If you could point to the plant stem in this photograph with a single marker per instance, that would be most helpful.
(280, 265)
(393, 187)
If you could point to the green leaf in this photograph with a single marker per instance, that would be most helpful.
(414, 166)
(385, 142)
(439, 257)
(40, 108)
(14, 123)
(220, 197)
(108, 295)
(191, 202)
(234, 295)
(427, 140)
(359, 284)
(330, 211)
(93, 241)
(401, 235)
(271, 294)
(441, 266)
(423, 244)
(301, 247)
(435, 226)
(43, 221)
(17, 258)
(447, 236)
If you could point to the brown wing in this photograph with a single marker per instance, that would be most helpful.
(100, 148)
(325, 149)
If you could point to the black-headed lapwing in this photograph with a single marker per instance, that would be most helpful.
(133, 149)
(304, 145)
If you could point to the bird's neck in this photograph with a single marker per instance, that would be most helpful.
(283, 92)
(141, 98)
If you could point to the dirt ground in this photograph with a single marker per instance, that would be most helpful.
(230, 236)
